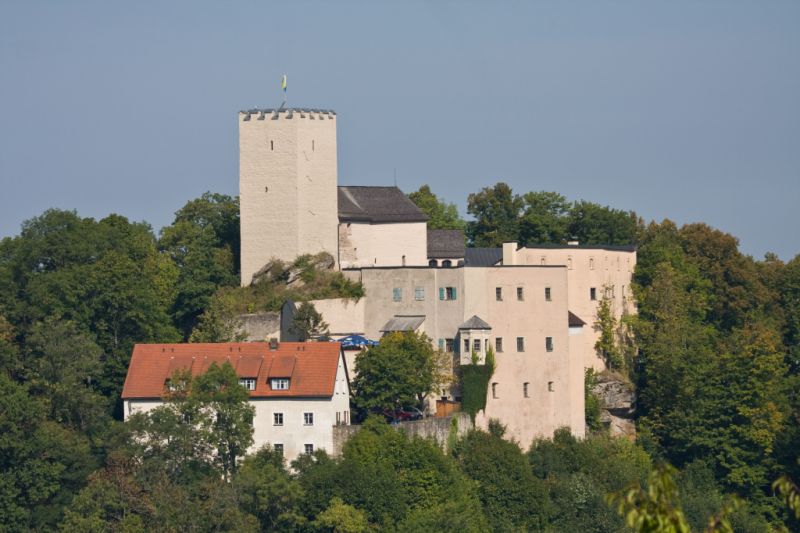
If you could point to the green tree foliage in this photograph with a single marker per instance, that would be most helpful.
(203, 242)
(441, 215)
(398, 373)
(591, 223)
(475, 379)
(496, 211)
(513, 499)
(308, 323)
(591, 402)
(545, 218)
(608, 345)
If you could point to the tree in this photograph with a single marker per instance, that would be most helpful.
(496, 211)
(592, 223)
(400, 372)
(607, 345)
(307, 323)
(441, 215)
(544, 218)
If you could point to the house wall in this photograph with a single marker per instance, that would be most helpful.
(586, 268)
(363, 245)
(288, 198)
(293, 434)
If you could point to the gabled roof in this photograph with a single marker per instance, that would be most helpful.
(310, 366)
(575, 321)
(403, 323)
(377, 205)
(475, 322)
(482, 257)
(445, 244)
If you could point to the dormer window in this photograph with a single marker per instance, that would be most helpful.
(279, 383)
(248, 383)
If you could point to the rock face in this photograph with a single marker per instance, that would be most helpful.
(617, 401)
(258, 326)
(276, 271)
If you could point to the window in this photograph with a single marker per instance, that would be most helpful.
(449, 345)
(550, 386)
(520, 344)
(548, 344)
(466, 346)
(419, 293)
(544, 260)
(347, 417)
(450, 293)
(494, 390)
(433, 263)
(271, 145)
(547, 294)
(248, 383)
(308, 419)
(278, 447)
(397, 294)
(593, 293)
(498, 294)
(447, 263)
(591, 263)
(520, 294)
(404, 260)
(338, 418)
(277, 419)
(441, 344)
(312, 145)
(279, 383)
(476, 345)
(525, 390)
(485, 345)
(498, 343)
(309, 449)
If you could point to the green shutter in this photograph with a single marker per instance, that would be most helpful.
(454, 294)
(441, 344)
(441, 293)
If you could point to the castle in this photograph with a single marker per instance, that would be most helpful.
(535, 307)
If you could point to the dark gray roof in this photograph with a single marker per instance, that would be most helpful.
(376, 205)
(482, 257)
(446, 243)
(403, 323)
(575, 321)
(475, 323)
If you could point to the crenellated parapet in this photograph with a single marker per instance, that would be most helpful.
(287, 113)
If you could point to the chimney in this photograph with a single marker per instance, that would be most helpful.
(273, 344)
(509, 253)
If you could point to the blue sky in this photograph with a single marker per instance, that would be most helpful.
(688, 110)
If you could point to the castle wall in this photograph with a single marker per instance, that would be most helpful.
(363, 245)
(287, 186)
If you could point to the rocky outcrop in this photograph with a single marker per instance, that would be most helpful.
(277, 271)
(617, 403)
(258, 326)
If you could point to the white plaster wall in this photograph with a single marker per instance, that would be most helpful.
(364, 245)
(288, 197)
(344, 316)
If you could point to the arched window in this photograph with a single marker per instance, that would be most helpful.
(446, 263)
(433, 263)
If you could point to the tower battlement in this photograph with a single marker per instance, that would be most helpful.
(287, 113)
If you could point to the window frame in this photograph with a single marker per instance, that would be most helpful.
(397, 294)
(419, 294)
(279, 383)
(248, 383)
(520, 294)
(548, 344)
(521, 344)
(548, 294)
(308, 448)
(498, 344)
(498, 294)
(308, 419)
(277, 419)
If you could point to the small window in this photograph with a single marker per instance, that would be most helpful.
(591, 263)
(548, 294)
(498, 294)
(476, 345)
(312, 145)
(544, 260)
(271, 145)
(419, 293)
(277, 419)
(338, 418)
(309, 449)
(447, 263)
(485, 345)
(450, 293)
(520, 344)
(279, 383)
(494, 390)
(498, 343)
(248, 383)
(278, 447)
(520, 294)
(397, 294)
(550, 386)
(593, 294)
(569, 263)
(525, 390)
(466, 346)
(449, 345)
(548, 344)
(433, 263)
(441, 344)
(403, 260)
(308, 419)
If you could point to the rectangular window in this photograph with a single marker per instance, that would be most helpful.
(547, 294)
(466, 346)
(347, 417)
(525, 390)
(550, 386)
(548, 344)
(309, 449)
(277, 419)
(494, 390)
(397, 294)
(308, 419)
(485, 345)
(498, 343)
(278, 447)
(520, 344)
(498, 294)
(450, 293)
(279, 383)
(520, 295)
(248, 383)
(338, 418)
(593, 294)
(449, 345)
(419, 293)
(476, 345)
(441, 344)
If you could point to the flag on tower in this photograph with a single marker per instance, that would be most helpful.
(283, 83)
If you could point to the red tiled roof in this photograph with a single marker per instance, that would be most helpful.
(310, 366)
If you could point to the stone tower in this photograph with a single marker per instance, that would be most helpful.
(287, 185)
